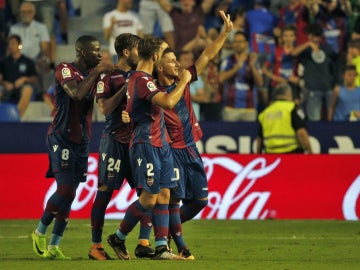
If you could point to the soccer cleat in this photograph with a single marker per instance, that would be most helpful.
(186, 254)
(55, 253)
(98, 253)
(39, 244)
(144, 251)
(118, 246)
(163, 253)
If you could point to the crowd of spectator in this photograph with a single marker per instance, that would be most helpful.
(305, 43)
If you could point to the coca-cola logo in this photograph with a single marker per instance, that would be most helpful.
(350, 200)
(239, 198)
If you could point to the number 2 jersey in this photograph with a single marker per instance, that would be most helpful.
(147, 118)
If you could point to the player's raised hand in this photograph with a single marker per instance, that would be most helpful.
(228, 25)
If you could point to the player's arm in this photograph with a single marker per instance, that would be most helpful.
(165, 5)
(78, 91)
(168, 101)
(108, 105)
(213, 49)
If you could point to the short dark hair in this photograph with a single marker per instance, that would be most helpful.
(243, 34)
(125, 41)
(314, 29)
(354, 43)
(148, 46)
(281, 89)
(14, 36)
(350, 68)
(83, 42)
(289, 27)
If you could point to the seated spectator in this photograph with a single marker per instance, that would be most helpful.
(121, 20)
(186, 19)
(320, 64)
(345, 102)
(282, 130)
(17, 76)
(240, 75)
(36, 42)
(150, 13)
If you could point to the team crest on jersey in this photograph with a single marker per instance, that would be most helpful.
(151, 86)
(100, 87)
(65, 73)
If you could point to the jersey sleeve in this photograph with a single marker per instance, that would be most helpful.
(103, 89)
(147, 88)
(64, 73)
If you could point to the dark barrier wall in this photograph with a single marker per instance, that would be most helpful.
(219, 137)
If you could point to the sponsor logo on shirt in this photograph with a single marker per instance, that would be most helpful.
(100, 87)
(65, 72)
(151, 86)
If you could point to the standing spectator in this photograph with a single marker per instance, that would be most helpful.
(68, 141)
(151, 12)
(150, 153)
(240, 76)
(186, 19)
(121, 20)
(282, 130)
(18, 76)
(186, 59)
(353, 57)
(345, 102)
(184, 131)
(292, 14)
(284, 67)
(335, 25)
(239, 25)
(259, 25)
(320, 72)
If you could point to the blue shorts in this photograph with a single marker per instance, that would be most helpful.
(114, 163)
(190, 172)
(152, 167)
(66, 157)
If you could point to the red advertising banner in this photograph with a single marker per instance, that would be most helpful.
(240, 187)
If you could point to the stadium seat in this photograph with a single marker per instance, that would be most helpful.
(9, 113)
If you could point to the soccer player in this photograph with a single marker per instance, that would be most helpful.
(150, 153)
(114, 164)
(68, 140)
(185, 131)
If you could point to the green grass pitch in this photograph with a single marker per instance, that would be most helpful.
(216, 244)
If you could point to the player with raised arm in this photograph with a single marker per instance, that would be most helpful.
(185, 131)
(150, 153)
